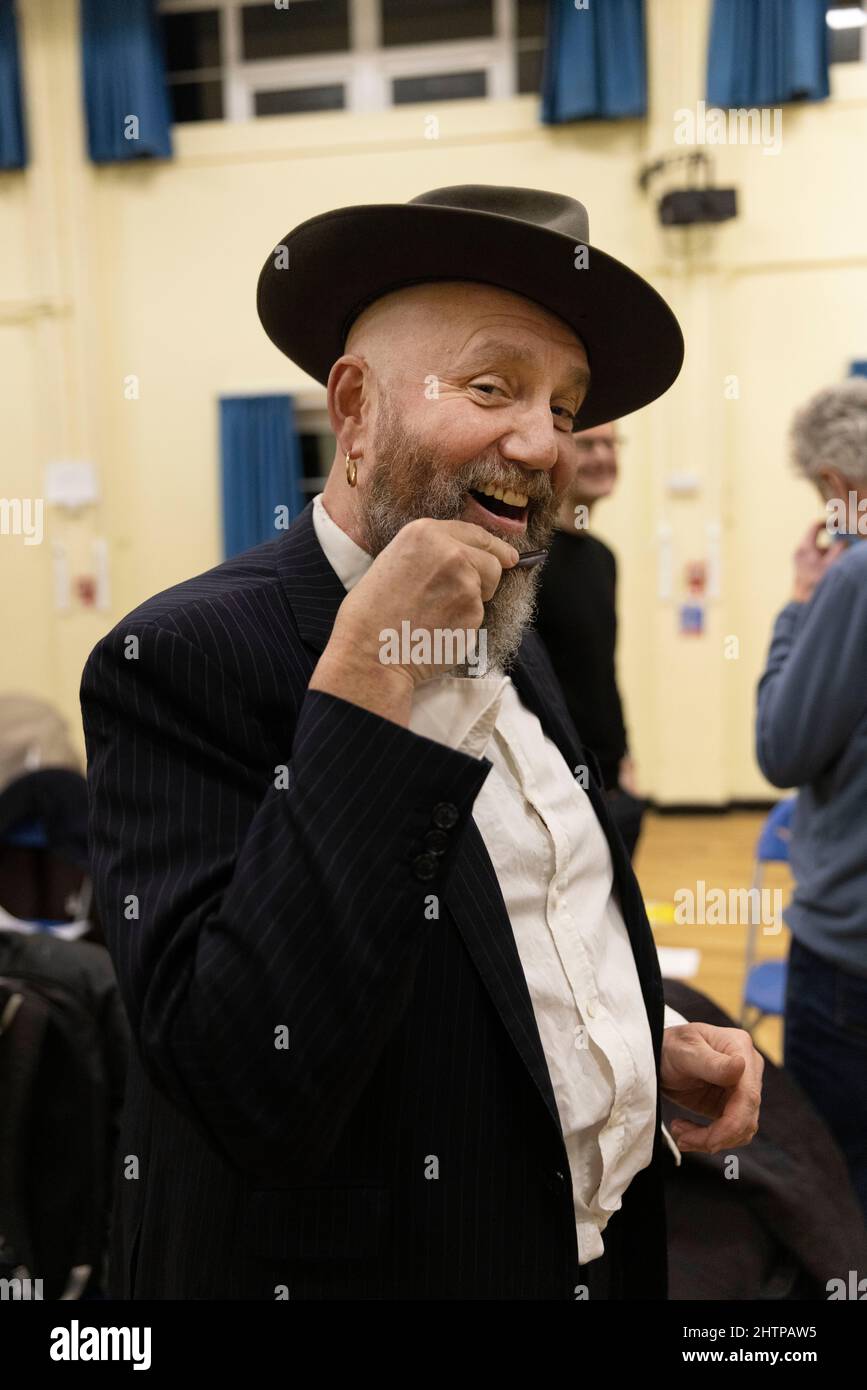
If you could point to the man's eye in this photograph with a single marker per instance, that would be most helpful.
(486, 386)
(565, 413)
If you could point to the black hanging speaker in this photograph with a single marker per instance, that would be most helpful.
(686, 207)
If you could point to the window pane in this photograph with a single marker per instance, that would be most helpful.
(441, 86)
(432, 21)
(196, 101)
(844, 45)
(530, 70)
(295, 99)
(317, 456)
(305, 26)
(191, 40)
(531, 19)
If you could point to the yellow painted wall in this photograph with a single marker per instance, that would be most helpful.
(149, 272)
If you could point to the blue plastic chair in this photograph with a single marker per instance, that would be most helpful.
(765, 984)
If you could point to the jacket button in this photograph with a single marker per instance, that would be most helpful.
(445, 815)
(424, 866)
(436, 841)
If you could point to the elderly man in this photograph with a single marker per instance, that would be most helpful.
(397, 1013)
(812, 734)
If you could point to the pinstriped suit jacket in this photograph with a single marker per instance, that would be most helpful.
(337, 1087)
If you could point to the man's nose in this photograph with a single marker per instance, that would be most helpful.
(532, 440)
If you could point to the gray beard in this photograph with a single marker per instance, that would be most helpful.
(407, 483)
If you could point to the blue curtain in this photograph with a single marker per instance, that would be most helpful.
(595, 67)
(13, 149)
(261, 460)
(767, 52)
(124, 74)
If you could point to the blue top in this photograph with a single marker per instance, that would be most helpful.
(811, 733)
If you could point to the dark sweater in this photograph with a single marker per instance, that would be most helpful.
(577, 621)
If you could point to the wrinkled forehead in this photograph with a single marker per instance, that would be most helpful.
(434, 327)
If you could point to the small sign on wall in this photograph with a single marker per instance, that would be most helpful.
(691, 613)
(71, 483)
(691, 619)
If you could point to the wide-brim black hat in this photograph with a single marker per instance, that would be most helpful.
(536, 244)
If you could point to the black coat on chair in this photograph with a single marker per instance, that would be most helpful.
(782, 1224)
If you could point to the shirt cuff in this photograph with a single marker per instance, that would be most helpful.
(678, 1156)
(459, 711)
(672, 1020)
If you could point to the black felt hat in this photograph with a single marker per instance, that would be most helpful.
(534, 243)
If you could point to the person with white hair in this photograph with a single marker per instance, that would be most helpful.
(811, 734)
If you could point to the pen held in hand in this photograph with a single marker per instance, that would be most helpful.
(530, 558)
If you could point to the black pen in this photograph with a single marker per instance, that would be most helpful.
(529, 558)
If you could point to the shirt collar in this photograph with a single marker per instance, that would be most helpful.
(349, 562)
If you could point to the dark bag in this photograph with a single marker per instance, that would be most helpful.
(62, 1059)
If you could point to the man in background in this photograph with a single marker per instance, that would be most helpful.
(812, 734)
(577, 621)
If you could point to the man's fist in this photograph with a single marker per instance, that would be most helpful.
(715, 1072)
(435, 575)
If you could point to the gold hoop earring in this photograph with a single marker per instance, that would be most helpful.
(351, 471)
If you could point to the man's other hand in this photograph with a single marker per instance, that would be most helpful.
(715, 1072)
(813, 561)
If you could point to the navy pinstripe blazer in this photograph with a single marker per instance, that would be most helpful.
(337, 1087)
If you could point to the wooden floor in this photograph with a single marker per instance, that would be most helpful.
(674, 852)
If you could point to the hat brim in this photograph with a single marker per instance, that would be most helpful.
(340, 261)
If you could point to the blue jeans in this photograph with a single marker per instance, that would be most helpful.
(826, 1051)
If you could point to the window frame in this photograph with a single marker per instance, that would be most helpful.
(366, 69)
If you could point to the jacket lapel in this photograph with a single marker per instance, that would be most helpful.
(539, 689)
(535, 682)
(475, 901)
(312, 588)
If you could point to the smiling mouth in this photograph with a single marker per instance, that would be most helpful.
(497, 506)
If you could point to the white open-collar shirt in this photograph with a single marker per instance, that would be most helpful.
(556, 876)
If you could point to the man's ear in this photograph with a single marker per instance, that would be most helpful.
(831, 483)
(348, 400)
